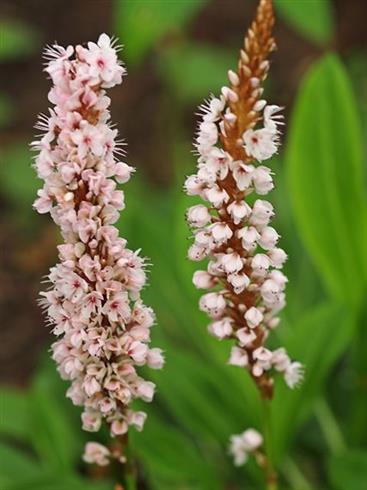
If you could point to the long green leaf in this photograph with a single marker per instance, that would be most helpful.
(313, 19)
(54, 437)
(15, 464)
(317, 341)
(324, 158)
(347, 471)
(142, 24)
(14, 408)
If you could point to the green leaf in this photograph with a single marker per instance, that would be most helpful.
(14, 420)
(57, 442)
(348, 470)
(313, 19)
(16, 40)
(317, 341)
(57, 482)
(19, 182)
(324, 158)
(142, 24)
(172, 458)
(194, 71)
(15, 464)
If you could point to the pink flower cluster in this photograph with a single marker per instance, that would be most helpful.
(244, 268)
(94, 302)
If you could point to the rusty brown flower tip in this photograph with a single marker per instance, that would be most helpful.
(245, 85)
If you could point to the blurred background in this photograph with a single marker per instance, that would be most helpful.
(176, 54)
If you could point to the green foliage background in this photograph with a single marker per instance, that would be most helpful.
(320, 430)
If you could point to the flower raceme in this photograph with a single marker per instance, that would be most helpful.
(244, 260)
(93, 303)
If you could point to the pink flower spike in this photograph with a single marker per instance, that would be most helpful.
(93, 303)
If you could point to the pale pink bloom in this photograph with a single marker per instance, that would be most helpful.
(238, 211)
(253, 317)
(44, 202)
(203, 280)
(122, 172)
(119, 427)
(91, 421)
(88, 139)
(262, 180)
(243, 444)
(277, 257)
(280, 359)
(193, 186)
(239, 282)
(260, 143)
(242, 174)
(232, 262)
(221, 232)
(270, 291)
(272, 118)
(279, 278)
(155, 359)
(96, 453)
(91, 385)
(260, 263)
(138, 351)
(136, 419)
(216, 196)
(221, 328)
(238, 357)
(197, 253)
(294, 374)
(198, 216)
(213, 304)
(245, 336)
(249, 236)
(117, 308)
(262, 212)
(145, 390)
(268, 238)
(103, 61)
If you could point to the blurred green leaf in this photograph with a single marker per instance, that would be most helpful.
(16, 39)
(57, 482)
(347, 471)
(317, 341)
(314, 19)
(14, 407)
(142, 24)
(194, 71)
(57, 442)
(324, 159)
(18, 179)
(172, 458)
(15, 463)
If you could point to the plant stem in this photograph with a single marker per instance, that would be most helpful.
(294, 476)
(329, 426)
(130, 481)
(271, 476)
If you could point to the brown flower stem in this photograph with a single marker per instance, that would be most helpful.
(270, 473)
(129, 477)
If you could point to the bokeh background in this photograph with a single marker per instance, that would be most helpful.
(177, 52)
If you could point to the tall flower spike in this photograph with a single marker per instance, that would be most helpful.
(93, 302)
(244, 260)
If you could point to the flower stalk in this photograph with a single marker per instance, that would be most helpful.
(93, 302)
(232, 230)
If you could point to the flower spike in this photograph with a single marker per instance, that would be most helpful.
(244, 261)
(93, 302)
